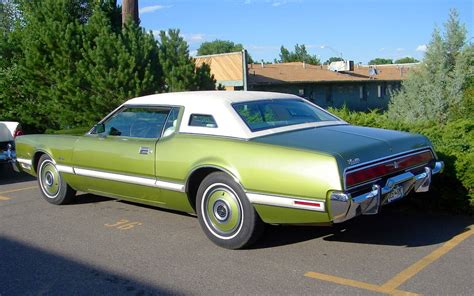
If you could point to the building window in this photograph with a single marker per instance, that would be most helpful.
(361, 92)
(379, 91)
(301, 92)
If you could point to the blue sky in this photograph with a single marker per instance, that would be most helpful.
(360, 30)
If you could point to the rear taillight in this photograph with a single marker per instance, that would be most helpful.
(18, 132)
(387, 167)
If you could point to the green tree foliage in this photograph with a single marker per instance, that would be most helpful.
(299, 55)
(221, 46)
(333, 59)
(179, 70)
(436, 90)
(380, 61)
(69, 62)
(406, 60)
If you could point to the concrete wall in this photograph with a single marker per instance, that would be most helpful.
(358, 96)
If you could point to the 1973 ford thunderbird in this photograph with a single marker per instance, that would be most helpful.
(236, 159)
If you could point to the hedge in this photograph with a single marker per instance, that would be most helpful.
(453, 143)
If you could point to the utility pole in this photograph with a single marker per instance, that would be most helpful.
(129, 10)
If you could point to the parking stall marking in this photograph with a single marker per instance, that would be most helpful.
(412, 270)
(355, 284)
(123, 224)
(3, 198)
(390, 287)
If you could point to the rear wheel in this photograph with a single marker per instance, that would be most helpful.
(55, 190)
(225, 214)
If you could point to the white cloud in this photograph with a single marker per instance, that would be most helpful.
(194, 38)
(152, 8)
(400, 49)
(421, 48)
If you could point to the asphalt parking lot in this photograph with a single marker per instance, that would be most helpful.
(103, 246)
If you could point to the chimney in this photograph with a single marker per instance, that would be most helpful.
(129, 10)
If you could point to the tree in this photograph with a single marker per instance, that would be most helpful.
(69, 62)
(333, 59)
(406, 60)
(221, 46)
(299, 55)
(436, 90)
(179, 71)
(380, 61)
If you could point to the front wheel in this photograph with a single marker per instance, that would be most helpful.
(225, 214)
(55, 190)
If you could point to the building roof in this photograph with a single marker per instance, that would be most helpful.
(298, 72)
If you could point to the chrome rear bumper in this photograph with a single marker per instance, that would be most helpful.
(9, 156)
(344, 207)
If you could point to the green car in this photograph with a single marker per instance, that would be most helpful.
(236, 159)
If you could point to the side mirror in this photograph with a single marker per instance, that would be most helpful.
(99, 128)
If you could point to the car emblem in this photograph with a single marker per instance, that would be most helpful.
(354, 161)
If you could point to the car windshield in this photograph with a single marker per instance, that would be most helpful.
(267, 114)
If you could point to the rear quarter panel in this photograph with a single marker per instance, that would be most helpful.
(259, 167)
(59, 147)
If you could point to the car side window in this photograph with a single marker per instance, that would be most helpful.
(202, 120)
(137, 122)
(171, 123)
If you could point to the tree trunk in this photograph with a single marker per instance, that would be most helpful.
(129, 10)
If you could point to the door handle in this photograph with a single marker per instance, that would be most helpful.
(144, 150)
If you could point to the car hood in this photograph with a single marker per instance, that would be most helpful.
(348, 142)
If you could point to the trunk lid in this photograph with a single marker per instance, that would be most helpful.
(348, 142)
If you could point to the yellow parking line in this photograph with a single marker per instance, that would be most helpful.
(355, 284)
(390, 287)
(4, 198)
(409, 272)
(18, 189)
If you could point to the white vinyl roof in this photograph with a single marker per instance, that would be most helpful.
(219, 105)
(208, 97)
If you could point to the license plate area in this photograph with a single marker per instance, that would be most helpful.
(396, 193)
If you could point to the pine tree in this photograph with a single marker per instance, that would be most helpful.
(66, 63)
(435, 90)
(179, 70)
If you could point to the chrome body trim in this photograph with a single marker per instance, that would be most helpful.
(285, 201)
(369, 203)
(24, 161)
(151, 182)
(377, 161)
(65, 169)
(170, 186)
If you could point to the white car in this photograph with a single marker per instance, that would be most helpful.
(9, 130)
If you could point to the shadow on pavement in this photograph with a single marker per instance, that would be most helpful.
(9, 176)
(86, 198)
(27, 270)
(391, 227)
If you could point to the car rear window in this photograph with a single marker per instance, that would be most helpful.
(267, 114)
